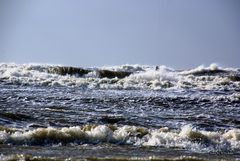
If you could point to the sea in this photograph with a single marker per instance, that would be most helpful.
(126, 112)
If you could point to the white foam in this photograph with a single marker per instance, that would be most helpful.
(143, 77)
(198, 141)
(128, 68)
(233, 134)
(101, 133)
(187, 138)
(211, 67)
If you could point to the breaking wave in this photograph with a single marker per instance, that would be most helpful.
(121, 77)
(186, 138)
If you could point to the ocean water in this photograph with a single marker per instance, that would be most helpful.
(128, 112)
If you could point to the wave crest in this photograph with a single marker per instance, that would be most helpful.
(186, 138)
(121, 77)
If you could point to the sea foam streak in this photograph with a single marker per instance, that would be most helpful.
(121, 77)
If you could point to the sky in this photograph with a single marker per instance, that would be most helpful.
(89, 33)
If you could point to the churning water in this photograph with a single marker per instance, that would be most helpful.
(121, 112)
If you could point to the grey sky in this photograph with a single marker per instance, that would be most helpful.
(176, 33)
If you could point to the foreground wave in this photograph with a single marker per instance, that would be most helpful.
(186, 138)
(121, 77)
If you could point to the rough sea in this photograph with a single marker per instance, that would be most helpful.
(128, 112)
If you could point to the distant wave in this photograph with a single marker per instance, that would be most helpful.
(63, 70)
(121, 77)
(185, 138)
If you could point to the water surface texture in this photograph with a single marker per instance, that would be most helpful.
(120, 112)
